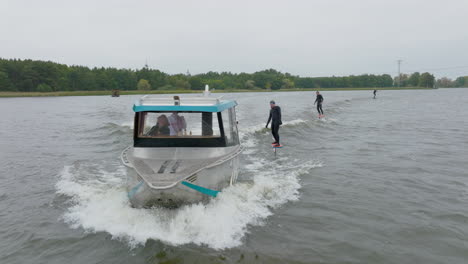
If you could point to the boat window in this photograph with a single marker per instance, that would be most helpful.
(178, 125)
(235, 132)
(230, 128)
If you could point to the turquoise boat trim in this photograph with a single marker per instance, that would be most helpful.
(132, 192)
(201, 189)
(191, 108)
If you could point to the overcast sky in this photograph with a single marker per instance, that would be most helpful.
(302, 37)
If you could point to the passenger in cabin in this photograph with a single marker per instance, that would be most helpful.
(177, 124)
(161, 127)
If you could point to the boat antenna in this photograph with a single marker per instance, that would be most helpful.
(207, 90)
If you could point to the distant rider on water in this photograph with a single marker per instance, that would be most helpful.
(275, 118)
(319, 101)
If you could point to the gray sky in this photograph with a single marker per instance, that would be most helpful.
(306, 38)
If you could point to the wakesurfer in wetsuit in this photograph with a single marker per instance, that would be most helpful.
(319, 101)
(375, 93)
(275, 118)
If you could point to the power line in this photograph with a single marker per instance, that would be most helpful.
(399, 74)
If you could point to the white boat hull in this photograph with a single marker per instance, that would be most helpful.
(215, 177)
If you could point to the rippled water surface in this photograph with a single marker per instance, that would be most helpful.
(375, 181)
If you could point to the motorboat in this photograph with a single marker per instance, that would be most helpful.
(185, 149)
(115, 93)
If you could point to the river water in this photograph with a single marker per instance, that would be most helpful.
(376, 181)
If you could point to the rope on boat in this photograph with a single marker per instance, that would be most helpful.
(201, 189)
(132, 192)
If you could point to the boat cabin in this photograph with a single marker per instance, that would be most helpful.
(184, 122)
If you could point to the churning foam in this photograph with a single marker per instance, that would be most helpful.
(128, 124)
(99, 203)
(294, 122)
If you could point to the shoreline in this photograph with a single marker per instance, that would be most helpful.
(137, 92)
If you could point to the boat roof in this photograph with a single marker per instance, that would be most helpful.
(182, 103)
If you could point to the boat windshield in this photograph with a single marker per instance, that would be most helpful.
(178, 125)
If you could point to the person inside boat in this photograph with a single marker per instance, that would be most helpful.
(177, 124)
(161, 127)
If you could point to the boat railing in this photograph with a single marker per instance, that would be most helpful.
(201, 101)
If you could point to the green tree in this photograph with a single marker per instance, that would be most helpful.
(26, 85)
(143, 85)
(144, 73)
(305, 82)
(249, 84)
(287, 84)
(28, 75)
(461, 81)
(5, 83)
(196, 83)
(414, 79)
(44, 88)
(182, 84)
(386, 81)
(426, 80)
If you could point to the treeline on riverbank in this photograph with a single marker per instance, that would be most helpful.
(45, 76)
(140, 92)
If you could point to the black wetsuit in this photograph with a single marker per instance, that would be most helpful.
(275, 117)
(319, 101)
(375, 92)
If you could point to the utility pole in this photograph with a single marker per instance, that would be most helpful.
(399, 74)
